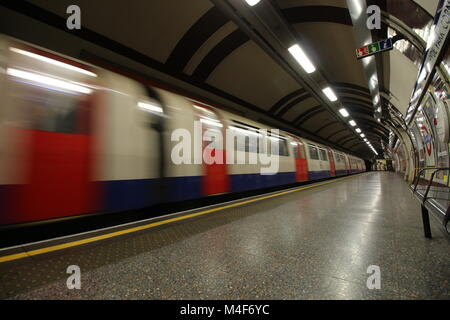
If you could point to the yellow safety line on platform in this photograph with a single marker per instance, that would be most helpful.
(21, 255)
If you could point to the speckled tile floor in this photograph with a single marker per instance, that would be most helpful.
(312, 244)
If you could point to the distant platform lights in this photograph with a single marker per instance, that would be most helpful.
(370, 146)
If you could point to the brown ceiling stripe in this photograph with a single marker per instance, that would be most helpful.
(368, 104)
(371, 122)
(195, 37)
(293, 103)
(349, 86)
(308, 112)
(325, 125)
(359, 108)
(342, 92)
(285, 99)
(318, 14)
(348, 140)
(337, 132)
(355, 144)
(344, 138)
(230, 43)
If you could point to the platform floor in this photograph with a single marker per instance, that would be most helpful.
(310, 244)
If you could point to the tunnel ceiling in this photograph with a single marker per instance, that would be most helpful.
(200, 45)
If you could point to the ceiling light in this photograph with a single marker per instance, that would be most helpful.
(362, 135)
(344, 112)
(252, 2)
(376, 99)
(149, 107)
(211, 122)
(365, 139)
(358, 130)
(301, 58)
(330, 94)
(49, 81)
(52, 61)
(352, 123)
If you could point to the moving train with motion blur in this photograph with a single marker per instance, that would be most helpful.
(77, 139)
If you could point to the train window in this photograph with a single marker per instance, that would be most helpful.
(240, 143)
(245, 140)
(313, 153)
(282, 146)
(302, 151)
(251, 144)
(52, 110)
(295, 150)
(323, 155)
(337, 157)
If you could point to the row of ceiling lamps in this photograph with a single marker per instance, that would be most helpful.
(299, 55)
(332, 97)
(303, 60)
(345, 114)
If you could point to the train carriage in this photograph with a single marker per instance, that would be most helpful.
(78, 139)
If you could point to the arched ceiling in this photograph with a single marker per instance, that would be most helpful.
(201, 48)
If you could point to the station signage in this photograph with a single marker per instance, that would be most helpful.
(374, 48)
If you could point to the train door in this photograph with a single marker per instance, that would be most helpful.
(215, 178)
(56, 103)
(347, 164)
(332, 163)
(301, 165)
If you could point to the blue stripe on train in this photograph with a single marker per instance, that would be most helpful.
(184, 188)
(341, 172)
(245, 182)
(130, 194)
(133, 194)
(315, 175)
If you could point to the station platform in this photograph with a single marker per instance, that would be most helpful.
(311, 242)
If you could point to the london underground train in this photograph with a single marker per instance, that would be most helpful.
(77, 139)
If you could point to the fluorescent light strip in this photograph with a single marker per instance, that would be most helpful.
(244, 131)
(252, 2)
(330, 94)
(376, 99)
(362, 135)
(352, 123)
(302, 59)
(344, 112)
(212, 123)
(47, 81)
(149, 107)
(358, 130)
(52, 61)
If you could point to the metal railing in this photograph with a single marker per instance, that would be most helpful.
(434, 196)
